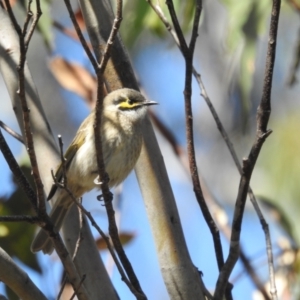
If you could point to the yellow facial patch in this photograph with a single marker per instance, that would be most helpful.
(128, 104)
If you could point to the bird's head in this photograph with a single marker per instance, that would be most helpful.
(127, 102)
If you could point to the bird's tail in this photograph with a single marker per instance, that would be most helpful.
(57, 216)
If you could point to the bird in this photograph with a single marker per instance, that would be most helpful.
(124, 111)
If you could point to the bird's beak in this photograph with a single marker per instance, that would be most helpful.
(148, 103)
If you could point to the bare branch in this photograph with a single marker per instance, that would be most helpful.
(16, 170)
(17, 279)
(113, 33)
(35, 20)
(81, 37)
(231, 149)
(263, 114)
(68, 32)
(13, 133)
(81, 209)
(188, 56)
(26, 113)
(13, 54)
(28, 219)
(79, 285)
(103, 235)
(103, 176)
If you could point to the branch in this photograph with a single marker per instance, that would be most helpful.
(16, 170)
(263, 114)
(103, 176)
(157, 9)
(17, 279)
(64, 185)
(25, 109)
(13, 53)
(28, 219)
(12, 132)
(188, 53)
(80, 36)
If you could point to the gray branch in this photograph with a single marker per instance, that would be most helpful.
(17, 279)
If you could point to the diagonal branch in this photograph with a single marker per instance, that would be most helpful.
(13, 133)
(188, 56)
(232, 151)
(263, 114)
(80, 36)
(19, 281)
(64, 185)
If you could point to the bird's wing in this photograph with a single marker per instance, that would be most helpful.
(69, 155)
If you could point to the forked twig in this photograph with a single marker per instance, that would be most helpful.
(26, 112)
(230, 146)
(38, 201)
(263, 114)
(188, 52)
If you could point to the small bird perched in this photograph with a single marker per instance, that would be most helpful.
(121, 132)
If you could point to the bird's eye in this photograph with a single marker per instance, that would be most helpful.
(130, 102)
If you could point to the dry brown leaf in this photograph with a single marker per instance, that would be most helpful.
(74, 78)
(79, 19)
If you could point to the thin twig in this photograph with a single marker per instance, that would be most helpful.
(252, 197)
(263, 114)
(81, 209)
(79, 239)
(61, 290)
(103, 235)
(13, 18)
(113, 33)
(36, 18)
(103, 176)
(26, 113)
(28, 219)
(39, 200)
(63, 160)
(68, 32)
(29, 16)
(226, 138)
(80, 283)
(80, 36)
(188, 56)
(18, 173)
(13, 133)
